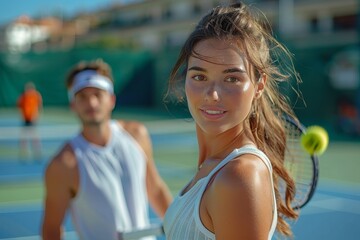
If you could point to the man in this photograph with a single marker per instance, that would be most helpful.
(30, 104)
(106, 175)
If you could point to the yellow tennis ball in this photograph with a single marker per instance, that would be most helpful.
(315, 140)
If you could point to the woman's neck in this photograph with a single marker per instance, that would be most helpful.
(220, 145)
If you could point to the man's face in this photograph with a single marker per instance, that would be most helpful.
(93, 105)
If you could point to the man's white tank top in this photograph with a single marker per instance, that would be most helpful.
(182, 219)
(112, 190)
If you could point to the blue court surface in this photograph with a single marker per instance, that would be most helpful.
(333, 213)
(330, 215)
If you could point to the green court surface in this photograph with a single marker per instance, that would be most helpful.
(335, 206)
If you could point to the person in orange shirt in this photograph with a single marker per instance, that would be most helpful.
(30, 104)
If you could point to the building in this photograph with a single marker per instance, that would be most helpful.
(25, 33)
(155, 24)
(158, 24)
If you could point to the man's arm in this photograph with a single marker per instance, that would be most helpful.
(60, 177)
(157, 191)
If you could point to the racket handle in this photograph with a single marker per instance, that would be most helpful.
(153, 230)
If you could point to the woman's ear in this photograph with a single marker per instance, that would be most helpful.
(260, 85)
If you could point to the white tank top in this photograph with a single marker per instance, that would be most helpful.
(112, 190)
(182, 219)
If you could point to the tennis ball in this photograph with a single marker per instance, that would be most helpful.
(315, 140)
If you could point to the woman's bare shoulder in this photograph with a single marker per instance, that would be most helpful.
(242, 176)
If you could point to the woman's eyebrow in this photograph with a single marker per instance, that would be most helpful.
(196, 68)
(234, 70)
(230, 70)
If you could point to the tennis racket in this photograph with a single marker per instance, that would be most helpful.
(303, 167)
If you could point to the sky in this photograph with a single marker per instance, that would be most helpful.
(12, 9)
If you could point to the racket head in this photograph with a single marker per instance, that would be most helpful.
(302, 166)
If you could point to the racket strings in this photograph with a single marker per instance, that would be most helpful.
(299, 165)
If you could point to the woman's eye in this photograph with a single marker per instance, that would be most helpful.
(232, 79)
(199, 78)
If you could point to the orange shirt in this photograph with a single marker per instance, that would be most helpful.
(29, 103)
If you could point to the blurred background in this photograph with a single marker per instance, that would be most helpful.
(41, 40)
(141, 39)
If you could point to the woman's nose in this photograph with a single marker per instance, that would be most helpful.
(212, 93)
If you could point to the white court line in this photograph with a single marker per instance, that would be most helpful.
(170, 126)
(46, 132)
(330, 203)
(71, 235)
(57, 131)
(339, 204)
(20, 206)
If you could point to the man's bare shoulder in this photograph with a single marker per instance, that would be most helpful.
(61, 175)
(63, 162)
(135, 128)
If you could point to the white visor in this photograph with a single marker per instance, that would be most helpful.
(90, 78)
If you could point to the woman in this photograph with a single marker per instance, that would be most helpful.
(231, 89)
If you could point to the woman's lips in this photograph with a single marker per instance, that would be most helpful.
(213, 113)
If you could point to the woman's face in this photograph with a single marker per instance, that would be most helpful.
(218, 87)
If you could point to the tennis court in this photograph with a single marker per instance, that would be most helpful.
(333, 213)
